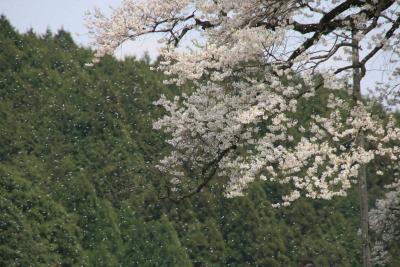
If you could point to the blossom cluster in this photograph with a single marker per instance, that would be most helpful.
(244, 63)
(384, 222)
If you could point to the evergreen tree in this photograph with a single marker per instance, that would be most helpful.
(77, 186)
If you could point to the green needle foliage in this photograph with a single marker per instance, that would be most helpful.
(78, 185)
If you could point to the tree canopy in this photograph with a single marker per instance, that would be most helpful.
(78, 187)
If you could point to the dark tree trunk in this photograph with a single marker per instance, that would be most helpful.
(362, 175)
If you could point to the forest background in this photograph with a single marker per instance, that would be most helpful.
(78, 187)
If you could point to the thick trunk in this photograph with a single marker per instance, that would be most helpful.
(362, 175)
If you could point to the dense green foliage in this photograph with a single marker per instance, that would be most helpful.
(78, 187)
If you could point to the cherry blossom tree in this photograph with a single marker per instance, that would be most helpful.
(251, 63)
(385, 223)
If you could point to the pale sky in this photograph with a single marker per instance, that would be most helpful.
(69, 14)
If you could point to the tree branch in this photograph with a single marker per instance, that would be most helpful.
(207, 174)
